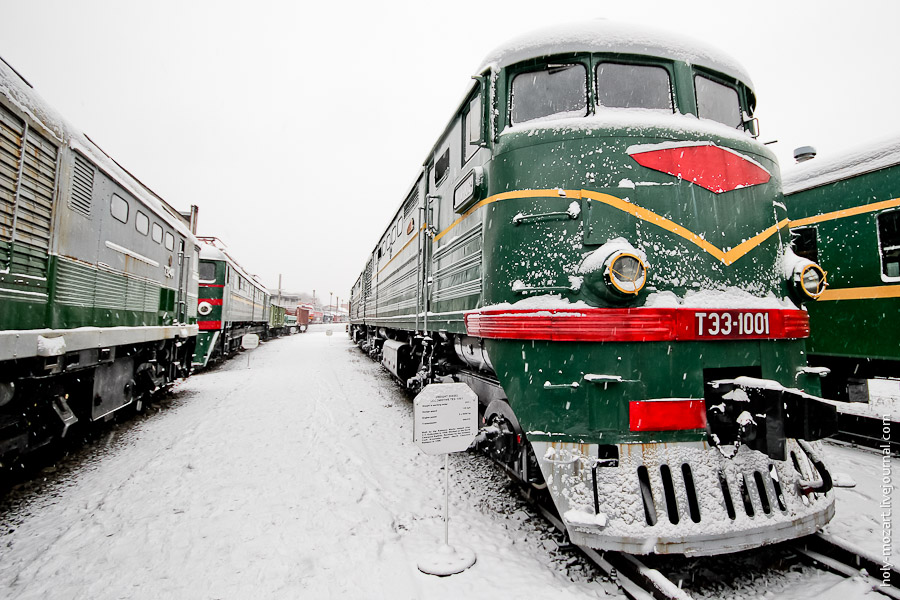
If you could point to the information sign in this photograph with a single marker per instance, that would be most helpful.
(445, 418)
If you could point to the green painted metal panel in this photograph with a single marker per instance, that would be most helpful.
(862, 325)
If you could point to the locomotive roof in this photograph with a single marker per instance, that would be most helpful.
(608, 36)
(26, 99)
(824, 170)
(209, 251)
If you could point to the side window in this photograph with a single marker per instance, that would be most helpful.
(471, 128)
(718, 102)
(889, 242)
(805, 243)
(557, 91)
(157, 233)
(118, 208)
(170, 241)
(633, 86)
(142, 223)
(441, 165)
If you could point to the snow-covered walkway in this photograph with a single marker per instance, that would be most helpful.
(294, 478)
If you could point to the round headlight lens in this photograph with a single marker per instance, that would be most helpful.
(204, 308)
(812, 280)
(627, 273)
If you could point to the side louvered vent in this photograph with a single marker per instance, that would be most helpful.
(11, 131)
(410, 203)
(82, 187)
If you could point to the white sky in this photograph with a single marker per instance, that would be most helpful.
(297, 127)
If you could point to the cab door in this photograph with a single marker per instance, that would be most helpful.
(182, 272)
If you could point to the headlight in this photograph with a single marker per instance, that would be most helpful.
(204, 308)
(616, 271)
(626, 272)
(812, 279)
(806, 279)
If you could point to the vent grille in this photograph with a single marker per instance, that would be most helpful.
(11, 131)
(82, 187)
(410, 205)
(28, 163)
(37, 186)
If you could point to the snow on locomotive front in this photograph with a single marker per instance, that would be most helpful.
(641, 306)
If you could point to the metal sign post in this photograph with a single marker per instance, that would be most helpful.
(249, 342)
(446, 420)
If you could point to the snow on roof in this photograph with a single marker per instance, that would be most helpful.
(863, 159)
(609, 36)
(27, 100)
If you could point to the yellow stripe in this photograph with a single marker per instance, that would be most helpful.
(745, 247)
(401, 250)
(496, 198)
(649, 216)
(652, 217)
(849, 212)
(862, 293)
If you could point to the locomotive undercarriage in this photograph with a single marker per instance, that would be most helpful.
(417, 360)
(43, 398)
(750, 485)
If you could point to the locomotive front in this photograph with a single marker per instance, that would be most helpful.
(641, 307)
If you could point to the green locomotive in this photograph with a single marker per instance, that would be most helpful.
(845, 214)
(231, 304)
(98, 278)
(597, 247)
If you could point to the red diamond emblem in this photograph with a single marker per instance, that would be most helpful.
(705, 164)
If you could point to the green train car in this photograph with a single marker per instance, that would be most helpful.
(845, 215)
(278, 322)
(231, 304)
(98, 279)
(597, 246)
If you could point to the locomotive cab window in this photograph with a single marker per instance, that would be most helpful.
(170, 241)
(472, 128)
(118, 208)
(889, 243)
(634, 86)
(441, 165)
(207, 271)
(557, 91)
(157, 233)
(718, 102)
(805, 243)
(142, 223)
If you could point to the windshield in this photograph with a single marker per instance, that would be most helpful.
(207, 271)
(557, 91)
(633, 86)
(718, 102)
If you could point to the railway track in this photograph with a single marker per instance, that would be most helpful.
(866, 431)
(640, 581)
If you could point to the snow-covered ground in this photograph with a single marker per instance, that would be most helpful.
(294, 478)
(297, 477)
(884, 401)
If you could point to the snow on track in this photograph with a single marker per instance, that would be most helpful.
(294, 478)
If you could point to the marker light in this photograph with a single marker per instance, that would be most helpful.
(666, 415)
(204, 308)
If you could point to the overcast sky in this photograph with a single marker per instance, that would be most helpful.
(297, 127)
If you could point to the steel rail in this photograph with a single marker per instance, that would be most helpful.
(842, 557)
